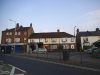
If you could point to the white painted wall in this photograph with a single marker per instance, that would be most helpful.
(49, 40)
(91, 39)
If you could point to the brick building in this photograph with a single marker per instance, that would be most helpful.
(17, 37)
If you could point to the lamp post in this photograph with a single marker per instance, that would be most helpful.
(14, 33)
(74, 30)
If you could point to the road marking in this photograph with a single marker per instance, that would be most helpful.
(80, 67)
(12, 71)
(17, 68)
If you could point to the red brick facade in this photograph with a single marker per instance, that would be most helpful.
(20, 34)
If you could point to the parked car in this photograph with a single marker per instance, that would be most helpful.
(90, 50)
(96, 53)
(40, 50)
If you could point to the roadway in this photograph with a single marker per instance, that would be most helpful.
(36, 67)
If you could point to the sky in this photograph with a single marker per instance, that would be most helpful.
(50, 15)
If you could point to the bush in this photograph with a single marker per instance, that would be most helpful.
(86, 47)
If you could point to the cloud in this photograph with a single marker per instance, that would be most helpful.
(93, 14)
(90, 20)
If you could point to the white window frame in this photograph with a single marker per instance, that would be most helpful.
(17, 40)
(46, 40)
(64, 39)
(8, 40)
(72, 39)
(53, 40)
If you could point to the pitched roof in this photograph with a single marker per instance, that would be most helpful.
(18, 29)
(50, 35)
(90, 33)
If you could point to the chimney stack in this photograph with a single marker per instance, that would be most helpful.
(31, 25)
(97, 29)
(58, 30)
(17, 25)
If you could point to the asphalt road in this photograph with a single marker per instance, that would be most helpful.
(35, 67)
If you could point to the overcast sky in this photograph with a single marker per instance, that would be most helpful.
(50, 15)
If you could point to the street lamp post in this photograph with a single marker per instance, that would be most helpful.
(14, 33)
(74, 30)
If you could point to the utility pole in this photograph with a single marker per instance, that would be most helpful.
(74, 30)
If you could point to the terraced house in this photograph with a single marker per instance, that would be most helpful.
(16, 38)
(51, 40)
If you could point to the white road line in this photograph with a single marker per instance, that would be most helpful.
(80, 67)
(12, 71)
(18, 68)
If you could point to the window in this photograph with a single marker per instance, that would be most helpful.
(53, 39)
(10, 33)
(8, 40)
(15, 33)
(65, 46)
(30, 40)
(64, 39)
(85, 40)
(24, 39)
(53, 46)
(7, 33)
(46, 40)
(72, 46)
(17, 39)
(25, 33)
(72, 39)
(18, 33)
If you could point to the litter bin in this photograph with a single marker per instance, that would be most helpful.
(65, 55)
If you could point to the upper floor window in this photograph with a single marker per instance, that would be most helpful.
(10, 33)
(31, 40)
(25, 33)
(24, 39)
(17, 39)
(15, 33)
(46, 40)
(7, 33)
(85, 40)
(64, 39)
(18, 33)
(53, 39)
(8, 40)
(72, 39)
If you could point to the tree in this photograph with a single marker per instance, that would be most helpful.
(32, 46)
(40, 44)
(78, 42)
(97, 43)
